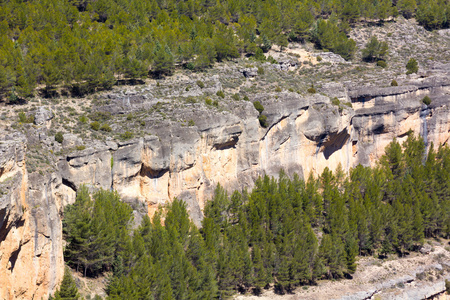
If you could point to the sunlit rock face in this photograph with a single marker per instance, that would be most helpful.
(31, 258)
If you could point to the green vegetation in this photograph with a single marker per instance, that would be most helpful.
(221, 94)
(95, 125)
(59, 137)
(191, 122)
(426, 100)
(68, 289)
(375, 50)
(83, 119)
(267, 236)
(258, 106)
(23, 118)
(127, 135)
(95, 231)
(200, 84)
(105, 127)
(412, 66)
(312, 90)
(394, 82)
(79, 47)
(381, 63)
(262, 120)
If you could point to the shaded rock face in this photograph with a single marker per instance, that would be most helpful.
(31, 258)
(305, 135)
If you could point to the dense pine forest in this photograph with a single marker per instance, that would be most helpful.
(285, 233)
(84, 46)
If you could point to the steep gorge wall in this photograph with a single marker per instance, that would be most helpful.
(31, 260)
(304, 135)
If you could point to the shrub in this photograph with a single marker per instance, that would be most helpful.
(208, 101)
(190, 100)
(412, 66)
(335, 101)
(319, 58)
(191, 123)
(221, 94)
(259, 107)
(83, 119)
(59, 137)
(129, 117)
(426, 100)
(216, 103)
(291, 90)
(394, 82)
(23, 118)
(277, 89)
(126, 135)
(246, 98)
(200, 84)
(80, 147)
(142, 123)
(260, 71)
(263, 120)
(236, 97)
(447, 286)
(312, 90)
(95, 125)
(187, 89)
(382, 63)
(105, 127)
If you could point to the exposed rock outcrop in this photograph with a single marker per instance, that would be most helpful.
(31, 260)
(305, 134)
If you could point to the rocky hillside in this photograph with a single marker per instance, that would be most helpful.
(181, 136)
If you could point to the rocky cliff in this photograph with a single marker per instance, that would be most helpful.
(31, 261)
(304, 135)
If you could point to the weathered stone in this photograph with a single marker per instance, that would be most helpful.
(43, 116)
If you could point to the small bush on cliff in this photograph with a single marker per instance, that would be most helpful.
(426, 100)
(95, 125)
(200, 84)
(312, 90)
(394, 82)
(106, 127)
(412, 66)
(263, 120)
(258, 106)
(59, 137)
(126, 135)
(221, 94)
(381, 63)
(23, 118)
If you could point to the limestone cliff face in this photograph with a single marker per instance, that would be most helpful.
(31, 260)
(231, 148)
(227, 146)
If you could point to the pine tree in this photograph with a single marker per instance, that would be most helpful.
(68, 289)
